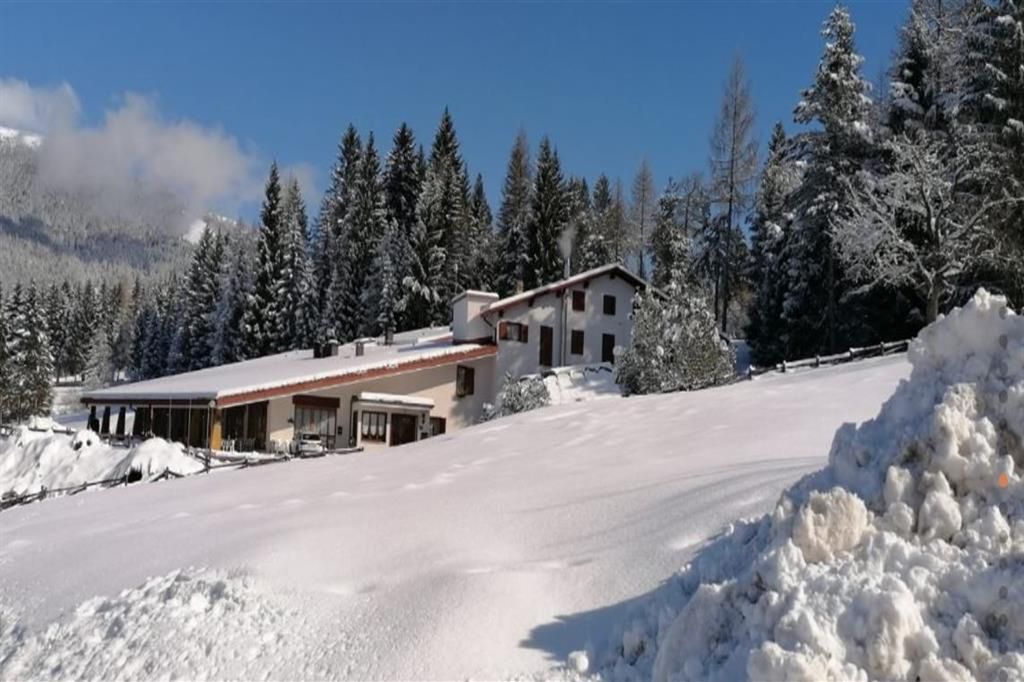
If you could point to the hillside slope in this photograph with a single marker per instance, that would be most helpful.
(488, 553)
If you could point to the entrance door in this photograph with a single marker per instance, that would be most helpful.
(547, 344)
(403, 429)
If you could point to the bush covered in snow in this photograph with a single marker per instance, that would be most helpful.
(675, 344)
(518, 395)
(902, 560)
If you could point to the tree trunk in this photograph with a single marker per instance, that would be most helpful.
(932, 308)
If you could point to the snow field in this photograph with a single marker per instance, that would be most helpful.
(490, 553)
(901, 560)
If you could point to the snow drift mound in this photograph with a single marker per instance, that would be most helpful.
(31, 460)
(902, 560)
(186, 625)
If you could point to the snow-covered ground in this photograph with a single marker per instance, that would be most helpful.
(493, 552)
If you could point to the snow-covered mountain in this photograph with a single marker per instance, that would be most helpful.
(49, 232)
(489, 553)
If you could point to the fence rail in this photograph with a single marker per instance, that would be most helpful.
(877, 350)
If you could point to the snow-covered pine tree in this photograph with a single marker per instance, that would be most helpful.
(616, 225)
(666, 235)
(514, 219)
(402, 185)
(231, 308)
(675, 344)
(581, 226)
(295, 289)
(365, 223)
(483, 253)
(5, 369)
(641, 215)
(548, 218)
(766, 332)
(384, 289)
(444, 215)
(816, 285)
(30, 362)
(263, 326)
(197, 334)
(330, 266)
(99, 368)
(733, 170)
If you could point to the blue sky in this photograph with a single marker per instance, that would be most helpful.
(610, 83)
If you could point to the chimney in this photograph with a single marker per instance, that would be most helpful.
(360, 348)
(332, 349)
(468, 324)
(519, 286)
(389, 337)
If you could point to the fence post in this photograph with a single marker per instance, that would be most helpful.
(817, 360)
(783, 366)
(852, 355)
(881, 347)
(750, 372)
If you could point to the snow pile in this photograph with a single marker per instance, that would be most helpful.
(169, 627)
(581, 383)
(33, 460)
(155, 456)
(901, 560)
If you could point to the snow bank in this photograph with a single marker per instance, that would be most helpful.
(576, 384)
(901, 560)
(33, 460)
(170, 627)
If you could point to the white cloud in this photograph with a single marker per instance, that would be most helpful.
(137, 153)
(37, 110)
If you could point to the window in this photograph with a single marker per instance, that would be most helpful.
(547, 345)
(513, 331)
(465, 381)
(316, 420)
(607, 347)
(437, 426)
(579, 300)
(609, 304)
(375, 425)
(576, 342)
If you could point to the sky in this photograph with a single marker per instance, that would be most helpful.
(203, 95)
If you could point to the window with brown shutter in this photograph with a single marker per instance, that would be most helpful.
(579, 300)
(465, 381)
(576, 342)
(512, 331)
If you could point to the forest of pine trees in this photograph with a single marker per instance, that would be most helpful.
(879, 212)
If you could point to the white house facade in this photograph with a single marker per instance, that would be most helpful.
(370, 394)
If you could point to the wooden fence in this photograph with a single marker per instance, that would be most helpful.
(877, 350)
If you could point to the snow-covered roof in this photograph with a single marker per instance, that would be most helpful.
(395, 399)
(616, 268)
(295, 371)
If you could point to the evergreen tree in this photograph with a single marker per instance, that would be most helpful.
(330, 266)
(514, 219)
(365, 222)
(402, 186)
(385, 291)
(231, 309)
(587, 244)
(263, 326)
(548, 218)
(766, 333)
(198, 330)
(443, 212)
(29, 360)
(668, 231)
(483, 253)
(675, 344)
(295, 290)
(838, 102)
(5, 369)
